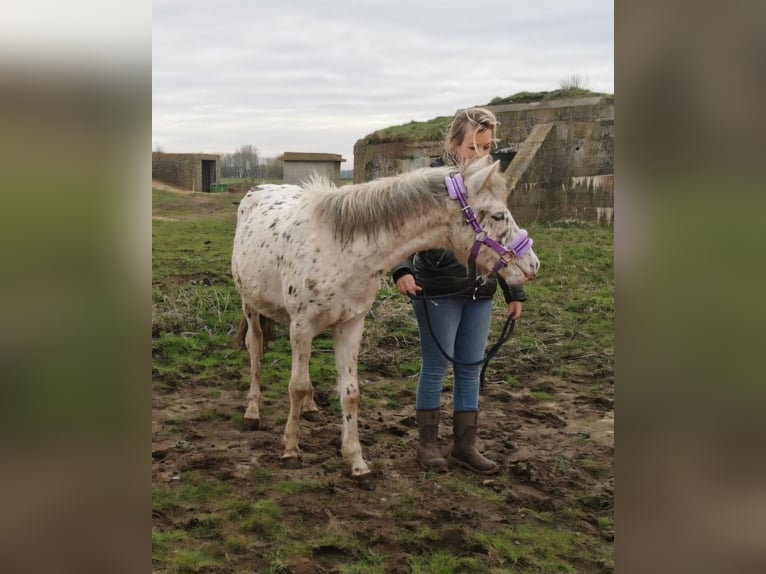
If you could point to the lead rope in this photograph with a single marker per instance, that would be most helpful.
(456, 190)
(505, 334)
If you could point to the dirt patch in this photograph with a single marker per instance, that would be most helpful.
(555, 456)
(157, 184)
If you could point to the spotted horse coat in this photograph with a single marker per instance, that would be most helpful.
(312, 257)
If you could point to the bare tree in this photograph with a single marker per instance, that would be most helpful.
(574, 82)
(243, 163)
(226, 164)
(274, 168)
(246, 161)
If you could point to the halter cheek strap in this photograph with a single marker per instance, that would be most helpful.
(518, 247)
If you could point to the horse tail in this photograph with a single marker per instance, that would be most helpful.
(239, 337)
(267, 328)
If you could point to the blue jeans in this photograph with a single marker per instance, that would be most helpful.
(461, 327)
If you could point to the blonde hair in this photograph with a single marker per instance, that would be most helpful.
(476, 120)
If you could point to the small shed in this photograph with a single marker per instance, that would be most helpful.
(299, 167)
(194, 171)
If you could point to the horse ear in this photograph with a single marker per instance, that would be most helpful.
(477, 180)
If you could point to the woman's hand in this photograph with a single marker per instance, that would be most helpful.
(406, 285)
(514, 308)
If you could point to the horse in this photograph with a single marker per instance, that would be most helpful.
(313, 256)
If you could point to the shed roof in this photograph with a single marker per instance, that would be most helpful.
(207, 156)
(305, 156)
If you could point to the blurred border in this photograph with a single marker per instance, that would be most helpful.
(75, 402)
(689, 205)
(75, 142)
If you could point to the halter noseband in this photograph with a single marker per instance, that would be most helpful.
(517, 248)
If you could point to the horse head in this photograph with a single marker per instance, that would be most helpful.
(492, 240)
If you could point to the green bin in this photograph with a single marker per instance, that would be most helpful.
(219, 187)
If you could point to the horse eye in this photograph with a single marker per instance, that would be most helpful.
(500, 216)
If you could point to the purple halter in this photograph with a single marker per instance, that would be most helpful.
(517, 248)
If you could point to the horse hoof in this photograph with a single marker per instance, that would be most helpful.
(291, 462)
(251, 424)
(366, 481)
(311, 416)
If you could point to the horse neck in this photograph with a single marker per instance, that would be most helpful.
(398, 218)
(425, 232)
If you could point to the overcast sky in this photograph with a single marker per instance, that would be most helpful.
(316, 76)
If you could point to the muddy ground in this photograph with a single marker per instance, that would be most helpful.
(555, 455)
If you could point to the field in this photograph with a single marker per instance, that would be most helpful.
(222, 502)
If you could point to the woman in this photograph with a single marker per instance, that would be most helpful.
(460, 323)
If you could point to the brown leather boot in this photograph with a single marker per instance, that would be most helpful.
(429, 454)
(464, 444)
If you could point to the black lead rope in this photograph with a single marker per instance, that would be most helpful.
(505, 334)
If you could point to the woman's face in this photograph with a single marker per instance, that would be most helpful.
(475, 144)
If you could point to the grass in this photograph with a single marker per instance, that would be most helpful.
(560, 94)
(570, 311)
(371, 563)
(435, 129)
(401, 506)
(444, 563)
(432, 130)
(260, 523)
(541, 548)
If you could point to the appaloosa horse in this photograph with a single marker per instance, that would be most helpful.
(312, 257)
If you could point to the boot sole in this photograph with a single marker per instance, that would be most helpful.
(493, 470)
(437, 467)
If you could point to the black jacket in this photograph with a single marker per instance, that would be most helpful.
(439, 273)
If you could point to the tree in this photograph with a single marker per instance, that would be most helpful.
(573, 82)
(274, 168)
(243, 163)
(246, 161)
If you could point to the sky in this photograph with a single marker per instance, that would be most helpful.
(310, 76)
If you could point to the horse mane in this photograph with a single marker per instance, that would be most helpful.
(385, 202)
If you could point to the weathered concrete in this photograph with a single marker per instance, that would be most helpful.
(193, 171)
(527, 152)
(561, 158)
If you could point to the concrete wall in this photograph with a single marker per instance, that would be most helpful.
(380, 160)
(185, 169)
(296, 172)
(563, 158)
(567, 175)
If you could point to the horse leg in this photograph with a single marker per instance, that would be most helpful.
(254, 344)
(309, 409)
(299, 387)
(346, 339)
